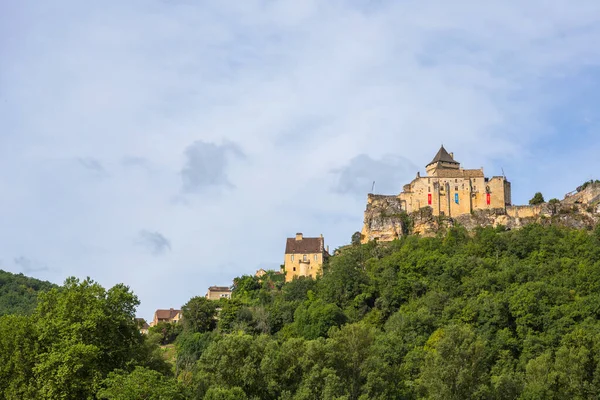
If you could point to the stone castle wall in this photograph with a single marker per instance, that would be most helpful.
(386, 220)
(456, 194)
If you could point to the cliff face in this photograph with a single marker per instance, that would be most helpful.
(385, 220)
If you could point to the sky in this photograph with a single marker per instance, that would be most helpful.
(174, 144)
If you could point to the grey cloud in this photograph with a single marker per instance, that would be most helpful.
(133, 161)
(155, 242)
(92, 165)
(390, 173)
(206, 165)
(28, 265)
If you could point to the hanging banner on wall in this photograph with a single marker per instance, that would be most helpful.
(456, 198)
(429, 199)
(488, 198)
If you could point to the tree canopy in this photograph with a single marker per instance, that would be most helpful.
(18, 293)
(490, 314)
(537, 198)
(76, 336)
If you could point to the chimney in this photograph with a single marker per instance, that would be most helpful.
(321, 236)
(327, 248)
(452, 155)
(299, 236)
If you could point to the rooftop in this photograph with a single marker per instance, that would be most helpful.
(304, 245)
(166, 314)
(443, 156)
(219, 289)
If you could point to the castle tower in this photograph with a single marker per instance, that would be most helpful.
(442, 160)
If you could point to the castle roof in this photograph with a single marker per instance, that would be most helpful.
(304, 245)
(443, 156)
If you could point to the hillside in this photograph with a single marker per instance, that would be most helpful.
(18, 293)
(483, 314)
(494, 314)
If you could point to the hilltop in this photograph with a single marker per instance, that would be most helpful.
(386, 219)
(487, 314)
(18, 293)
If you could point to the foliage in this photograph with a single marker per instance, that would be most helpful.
(199, 315)
(554, 205)
(491, 314)
(141, 383)
(164, 333)
(537, 198)
(588, 183)
(494, 314)
(18, 293)
(356, 236)
(77, 335)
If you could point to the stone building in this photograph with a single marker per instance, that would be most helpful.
(170, 315)
(304, 256)
(451, 190)
(218, 292)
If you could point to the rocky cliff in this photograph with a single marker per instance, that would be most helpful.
(385, 219)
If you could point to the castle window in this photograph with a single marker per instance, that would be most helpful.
(428, 180)
(305, 258)
(456, 180)
(429, 189)
(292, 258)
(316, 257)
(456, 188)
(294, 268)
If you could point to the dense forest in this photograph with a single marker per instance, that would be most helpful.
(490, 314)
(18, 293)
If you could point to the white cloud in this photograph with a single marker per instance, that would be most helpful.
(303, 88)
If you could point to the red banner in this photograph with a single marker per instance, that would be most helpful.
(488, 198)
(429, 199)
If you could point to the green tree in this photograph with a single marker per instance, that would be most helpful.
(537, 198)
(351, 348)
(199, 315)
(539, 377)
(77, 335)
(18, 351)
(18, 293)
(315, 317)
(233, 361)
(164, 332)
(141, 383)
(221, 393)
(246, 288)
(356, 237)
(454, 366)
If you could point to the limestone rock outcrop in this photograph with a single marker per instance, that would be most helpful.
(386, 220)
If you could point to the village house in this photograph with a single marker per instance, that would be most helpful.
(142, 325)
(218, 292)
(170, 315)
(304, 256)
(260, 273)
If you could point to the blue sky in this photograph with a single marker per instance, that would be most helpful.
(175, 144)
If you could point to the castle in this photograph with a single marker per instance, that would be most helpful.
(447, 190)
(451, 190)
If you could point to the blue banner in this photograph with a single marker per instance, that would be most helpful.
(456, 198)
